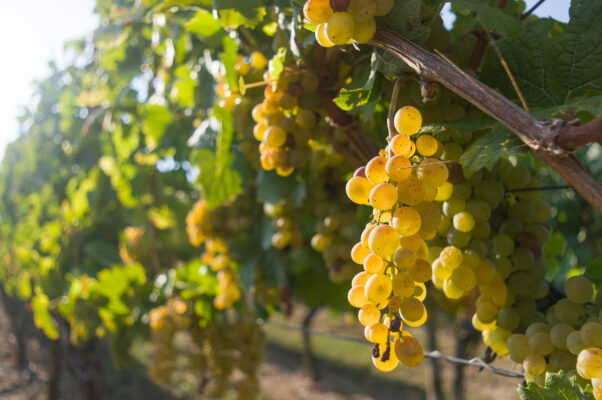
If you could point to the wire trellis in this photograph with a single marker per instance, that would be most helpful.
(474, 362)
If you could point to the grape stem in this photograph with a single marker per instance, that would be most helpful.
(393, 106)
(545, 138)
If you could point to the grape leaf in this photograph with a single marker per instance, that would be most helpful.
(229, 57)
(233, 13)
(203, 24)
(488, 149)
(493, 18)
(349, 99)
(557, 387)
(552, 66)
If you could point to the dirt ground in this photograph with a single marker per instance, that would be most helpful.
(282, 376)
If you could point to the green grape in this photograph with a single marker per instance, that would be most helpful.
(479, 246)
(407, 120)
(361, 10)
(516, 178)
(383, 196)
(378, 288)
(452, 206)
(339, 28)
(498, 341)
(559, 334)
(561, 360)
(574, 343)
(534, 364)
(538, 327)
(508, 319)
(511, 228)
(383, 7)
(541, 211)
(490, 191)
(541, 290)
(453, 151)
(412, 310)
(518, 345)
(409, 351)
(526, 309)
(464, 221)
(568, 312)
(462, 190)
(591, 334)
(321, 37)
(305, 119)
(317, 11)
(503, 266)
(486, 311)
(589, 363)
(451, 290)
(363, 31)
(457, 238)
(578, 289)
(479, 209)
(503, 245)
(541, 344)
(522, 258)
(521, 210)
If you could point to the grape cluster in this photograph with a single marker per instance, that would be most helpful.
(401, 187)
(345, 21)
(286, 119)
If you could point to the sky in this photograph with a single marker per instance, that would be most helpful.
(33, 32)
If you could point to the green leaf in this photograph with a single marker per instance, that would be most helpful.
(351, 99)
(276, 65)
(271, 187)
(557, 387)
(203, 24)
(42, 317)
(494, 19)
(156, 120)
(405, 20)
(488, 149)
(233, 13)
(229, 57)
(551, 65)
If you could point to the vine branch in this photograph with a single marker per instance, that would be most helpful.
(541, 136)
(574, 136)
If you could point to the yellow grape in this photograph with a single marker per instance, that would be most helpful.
(464, 278)
(409, 351)
(359, 253)
(534, 364)
(385, 366)
(258, 60)
(361, 10)
(374, 264)
(401, 145)
(383, 196)
(383, 7)
(320, 242)
(274, 136)
(487, 311)
(365, 238)
(518, 346)
(411, 190)
(360, 279)
(284, 170)
(358, 190)
(259, 131)
(420, 291)
(321, 36)
(433, 172)
(404, 259)
(398, 168)
(464, 221)
(378, 288)
(376, 170)
(368, 315)
(403, 285)
(357, 297)
(407, 221)
(427, 145)
(384, 240)
(363, 31)
(408, 120)
(451, 290)
(440, 270)
(421, 271)
(317, 11)
(451, 257)
(377, 333)
(339, 28)
(412, 310)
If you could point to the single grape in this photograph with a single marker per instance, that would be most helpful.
(403, 285)
(363, 31)
(358, 190)
(383, 7)
(339, 28)
(409, 351)
(411, 190)
(589, 363)
(383, 196)
(578, 289)
(357, 297)
(385, 366)
(362, 10)
(384, 240)
(376, 170)
(518, 346)
(374, 264)
(359, 253)
(321, 37)
(317, 11)
(534, 364)
(406, 220)
(591, 334)
(368, 315)
(426, 145)
(398, 168)
(464, 221)
(407, 120)
(378, 288)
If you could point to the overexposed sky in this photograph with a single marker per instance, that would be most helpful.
(33, 32)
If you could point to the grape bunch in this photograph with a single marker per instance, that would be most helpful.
(401, 186)
(286, 119)
(284, 222)
(345, 21)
